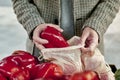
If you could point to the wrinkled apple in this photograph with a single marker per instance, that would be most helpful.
(65, 77)
(22, 74)
(55, 38)
(10, 69)
(2, 77)
(18, 65)
(24, 59)
(86, 75)
(46, 70)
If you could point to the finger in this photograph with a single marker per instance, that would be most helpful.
(56, 27)
(36, 38)
(40, 28)
(84, 37)
(39, 46)
(40, 40)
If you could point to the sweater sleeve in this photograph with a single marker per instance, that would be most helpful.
(102, 16)
(27, 14)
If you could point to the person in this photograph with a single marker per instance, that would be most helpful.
(91, 18)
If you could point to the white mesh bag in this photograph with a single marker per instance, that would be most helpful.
(72, 60)
(68, 58)
(97, 63)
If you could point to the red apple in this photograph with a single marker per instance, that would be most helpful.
(22, 74)
(86, 75)
(10, 69)
(65, 77)
(7, 68)
(46, 70)
(55, 38)
(2, 77)
(24, 59)
(17, 65)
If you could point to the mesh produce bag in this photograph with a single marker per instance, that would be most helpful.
(72, 60)
(97, 63)
(68, 58)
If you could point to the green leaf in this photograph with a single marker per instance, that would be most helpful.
(117, 75)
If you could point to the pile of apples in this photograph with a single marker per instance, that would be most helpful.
(21, 65)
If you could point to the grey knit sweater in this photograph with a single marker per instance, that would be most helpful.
(97, 14)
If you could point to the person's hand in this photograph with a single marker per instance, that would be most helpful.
(36, 34)
(89, 39)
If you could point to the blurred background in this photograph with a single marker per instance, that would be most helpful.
(13, 36)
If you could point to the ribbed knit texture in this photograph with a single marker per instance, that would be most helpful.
(97, 14)
(27, 14)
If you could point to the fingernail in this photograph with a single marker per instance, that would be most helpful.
(46, 41)
(61, 30)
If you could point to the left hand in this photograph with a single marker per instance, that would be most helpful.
(89, 39)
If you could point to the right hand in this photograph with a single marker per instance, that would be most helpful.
(36, 34)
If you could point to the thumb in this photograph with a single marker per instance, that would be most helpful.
(84, 37)
(90, 50)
